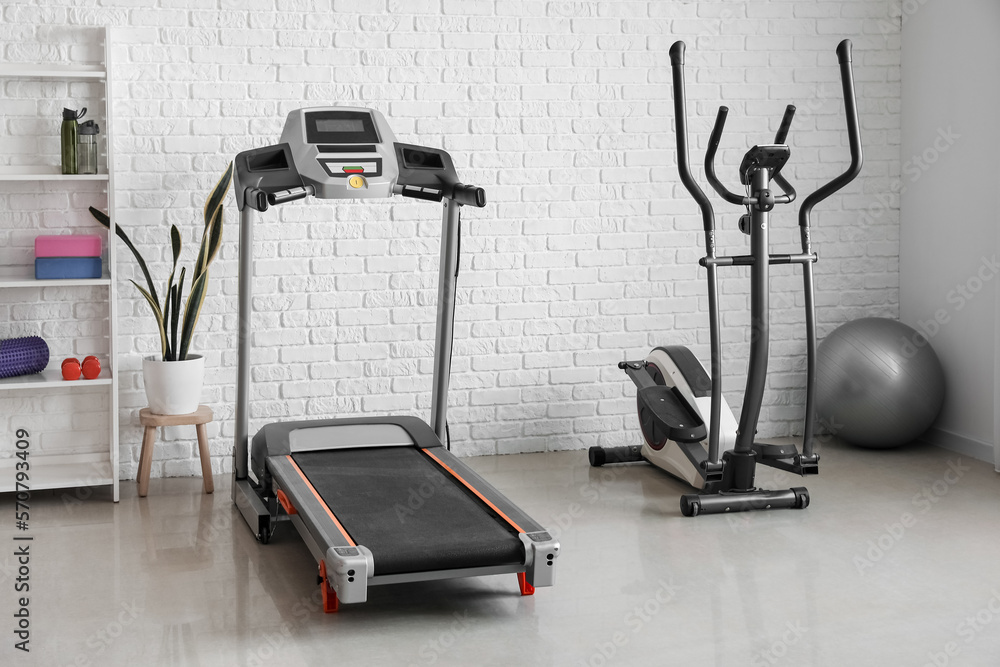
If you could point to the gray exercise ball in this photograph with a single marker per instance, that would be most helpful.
(878, 383)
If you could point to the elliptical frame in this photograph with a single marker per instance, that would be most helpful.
(727, 479)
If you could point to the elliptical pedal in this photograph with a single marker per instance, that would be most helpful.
(665, 412)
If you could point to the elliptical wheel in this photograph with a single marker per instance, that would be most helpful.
(690, 504)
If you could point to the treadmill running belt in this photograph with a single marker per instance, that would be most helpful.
(411, 514)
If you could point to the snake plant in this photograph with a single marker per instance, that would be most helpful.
(169, 316)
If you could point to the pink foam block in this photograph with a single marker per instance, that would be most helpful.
(74, 245)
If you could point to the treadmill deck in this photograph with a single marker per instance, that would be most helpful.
(408, 510)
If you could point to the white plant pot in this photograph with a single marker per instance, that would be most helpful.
(173, 387)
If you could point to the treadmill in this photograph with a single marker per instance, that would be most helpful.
(378, 500)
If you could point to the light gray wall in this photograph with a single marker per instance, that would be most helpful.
(949, 183)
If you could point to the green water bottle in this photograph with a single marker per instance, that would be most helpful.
(70, 130)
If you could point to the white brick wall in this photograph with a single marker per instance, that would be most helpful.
(586, 254)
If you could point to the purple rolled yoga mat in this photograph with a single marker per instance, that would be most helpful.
(23, 356)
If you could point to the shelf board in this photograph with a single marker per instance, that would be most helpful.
(52, 71)
(45, 475)
(24, 276)
(51, 378)
(44, 173)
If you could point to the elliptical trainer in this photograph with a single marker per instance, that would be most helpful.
(675, 392)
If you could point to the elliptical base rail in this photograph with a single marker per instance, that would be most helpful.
(724, 502)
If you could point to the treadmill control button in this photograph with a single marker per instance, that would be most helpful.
(346, 551)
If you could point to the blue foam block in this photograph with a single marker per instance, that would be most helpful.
(61, 268)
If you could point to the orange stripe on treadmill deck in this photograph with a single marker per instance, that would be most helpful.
(320, 499)
(473, 489)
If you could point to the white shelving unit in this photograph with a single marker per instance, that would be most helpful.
(97, 468)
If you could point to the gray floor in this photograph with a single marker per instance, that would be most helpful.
(896, 562)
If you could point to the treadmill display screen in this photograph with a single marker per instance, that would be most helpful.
(340, 127)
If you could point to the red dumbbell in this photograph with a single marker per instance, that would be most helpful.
(71, 369)
(91, 368)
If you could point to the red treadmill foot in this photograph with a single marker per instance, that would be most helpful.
(330, 602)
(522, 582)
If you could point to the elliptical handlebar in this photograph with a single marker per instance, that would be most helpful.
(713, 146)
(680, 115)
(786, 123)
(779, 138)
(853, 135)
(680, 126)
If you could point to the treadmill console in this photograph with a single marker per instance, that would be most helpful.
(343, 152)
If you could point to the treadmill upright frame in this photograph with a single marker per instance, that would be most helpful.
(256, 513)
(348, 568)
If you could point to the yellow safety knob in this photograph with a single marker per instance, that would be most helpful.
(357, 182)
